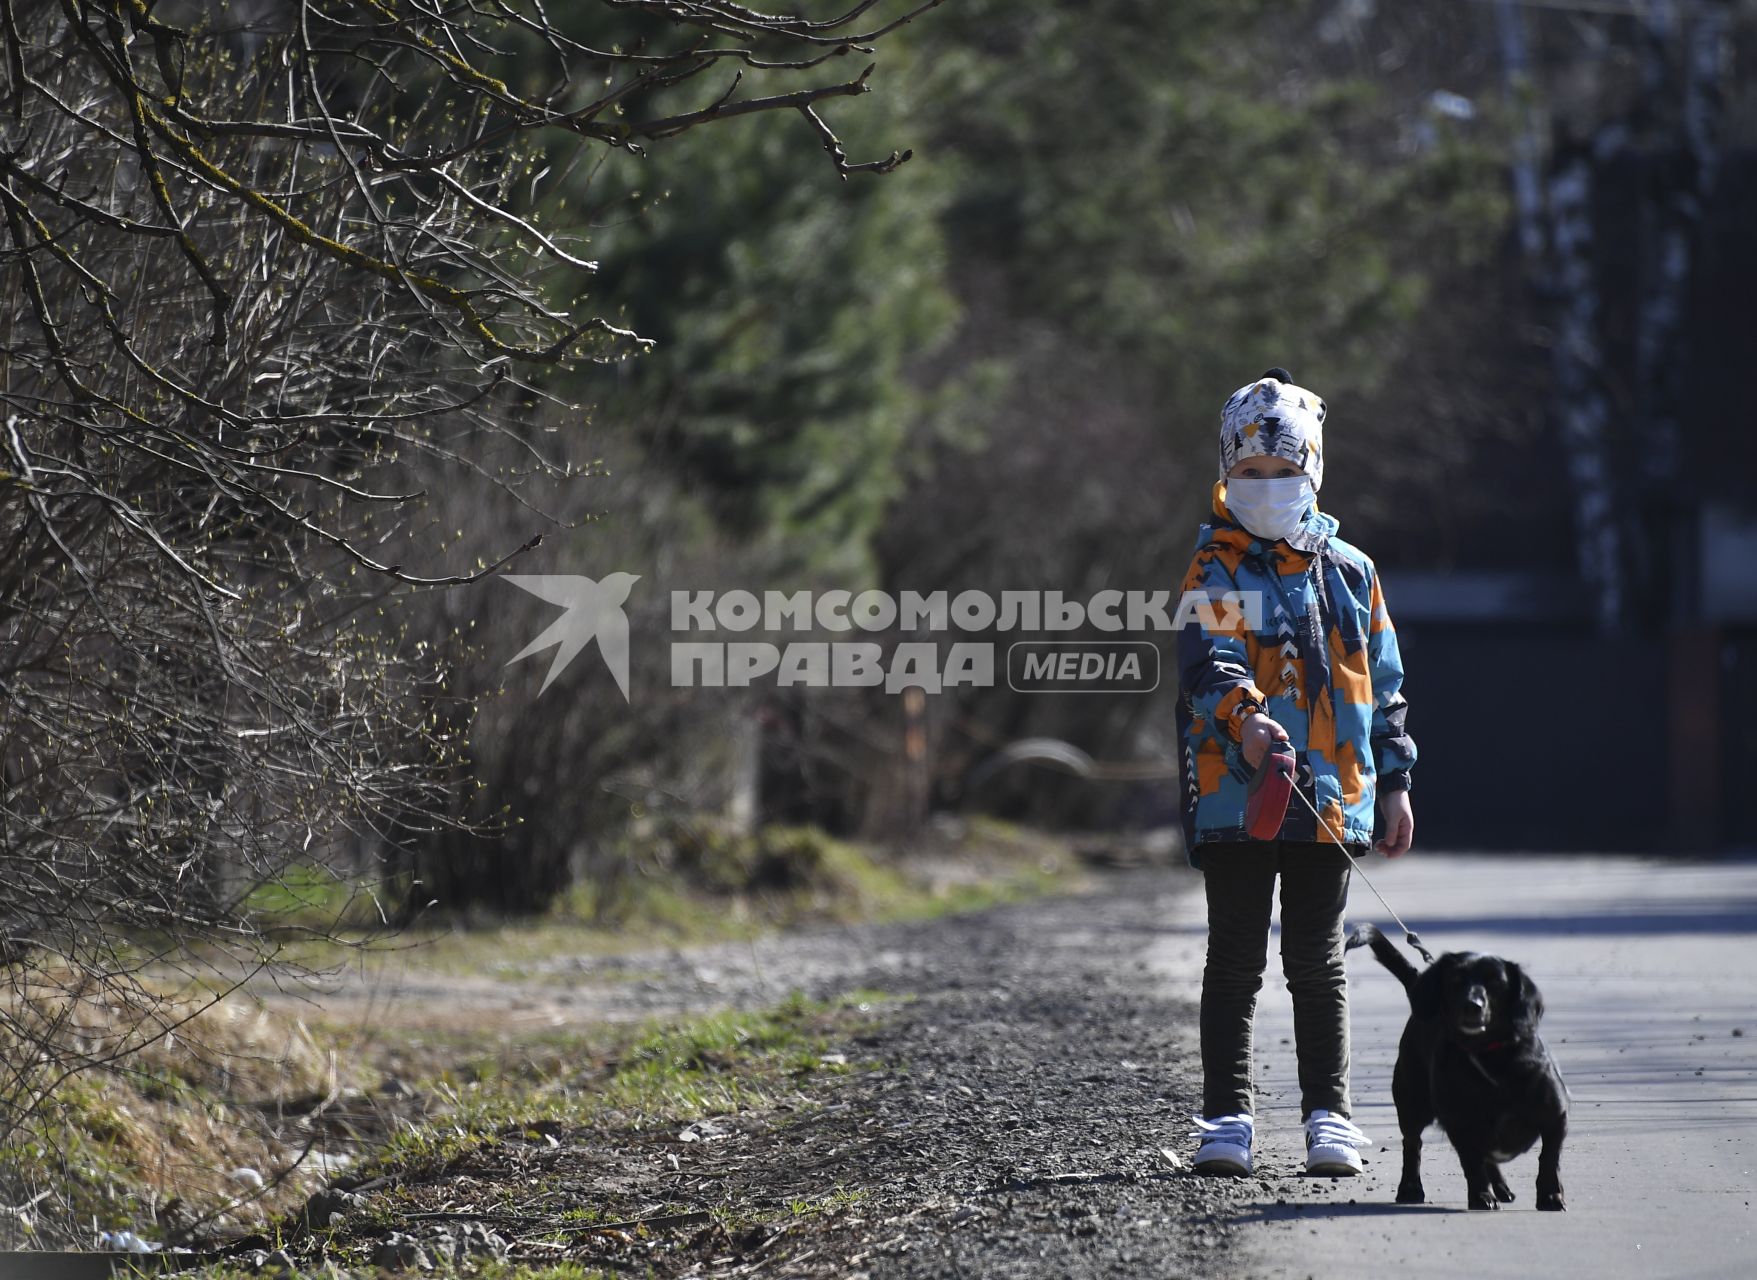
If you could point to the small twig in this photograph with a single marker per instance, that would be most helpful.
(662, 1221)
(657, 1222)
(833, 145)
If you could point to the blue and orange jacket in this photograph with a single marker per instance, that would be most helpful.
(1322, 662)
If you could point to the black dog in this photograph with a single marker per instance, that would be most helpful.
(1471, 1058)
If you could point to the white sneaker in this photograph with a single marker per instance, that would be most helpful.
(1330, 1144)
(1226, 1145)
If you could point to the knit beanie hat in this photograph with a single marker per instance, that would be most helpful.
(1273, 418)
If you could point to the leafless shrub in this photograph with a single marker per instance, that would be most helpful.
(266, 285)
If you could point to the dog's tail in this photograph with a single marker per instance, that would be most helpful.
(1368, 935)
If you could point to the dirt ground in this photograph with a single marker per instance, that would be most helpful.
(1010, 1117)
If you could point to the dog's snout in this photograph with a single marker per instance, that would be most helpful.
(1477, 997)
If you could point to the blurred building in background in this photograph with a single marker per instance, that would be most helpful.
(1552, 718)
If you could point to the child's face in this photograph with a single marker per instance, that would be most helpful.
(1262, 468)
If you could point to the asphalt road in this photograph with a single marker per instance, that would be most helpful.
(1649, 974)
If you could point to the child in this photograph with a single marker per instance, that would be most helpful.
(1318, 668)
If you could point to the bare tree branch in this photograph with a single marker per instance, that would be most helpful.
(269, 293)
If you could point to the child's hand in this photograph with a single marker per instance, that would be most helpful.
(1255, 735)
(1399, 824)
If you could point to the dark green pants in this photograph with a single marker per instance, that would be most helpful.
(1240, 885)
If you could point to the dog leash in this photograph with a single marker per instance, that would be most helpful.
(1409, 934)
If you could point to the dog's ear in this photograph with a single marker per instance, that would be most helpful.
(1428, 996)
(1527, 999)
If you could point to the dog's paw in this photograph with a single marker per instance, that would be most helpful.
(1484, 1199)
(1407, 1194)
(1361, 935)
(1551, 1203)
(1503, 1193)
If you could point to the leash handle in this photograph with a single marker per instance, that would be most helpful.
(1408, 933)
(1266, 797)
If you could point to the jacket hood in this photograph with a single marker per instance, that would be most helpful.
(1313, 533)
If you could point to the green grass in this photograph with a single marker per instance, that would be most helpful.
(666, 1074)
(104, 1149)
(840, 1198)
(77, 1143)
(826, 880)
(671, 1074)
(483, 1269)
(309, 896)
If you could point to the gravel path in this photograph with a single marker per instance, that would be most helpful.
(1047, 1067)
(1031, 1073)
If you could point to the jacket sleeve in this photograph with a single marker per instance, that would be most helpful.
(1214, 672)
(1393, 749)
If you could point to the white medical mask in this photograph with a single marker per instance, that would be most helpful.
(1270, 509)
